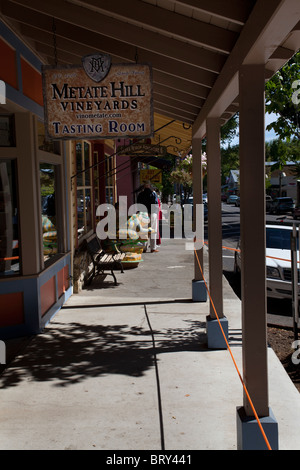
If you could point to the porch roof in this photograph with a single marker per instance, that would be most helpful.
(195, 47)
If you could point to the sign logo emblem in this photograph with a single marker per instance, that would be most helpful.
(96, 66)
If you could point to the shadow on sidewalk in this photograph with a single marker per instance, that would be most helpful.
(67, 354)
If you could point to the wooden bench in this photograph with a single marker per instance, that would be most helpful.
(103, 261)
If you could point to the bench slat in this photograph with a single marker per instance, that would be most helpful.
(119, 256)
(103, 261)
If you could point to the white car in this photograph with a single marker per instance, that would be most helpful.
(278, 256)
(232, 198)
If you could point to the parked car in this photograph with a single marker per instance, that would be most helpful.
(232, 198)
(278, 256)
(282, 205)
(190, 200)
(223, 197)
(296, 212)
(269, 202)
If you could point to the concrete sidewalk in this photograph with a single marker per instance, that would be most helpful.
(127, 368)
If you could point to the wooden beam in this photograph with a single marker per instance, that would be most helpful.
(181, 97)
(267, 27)
(158, 62)
(282, 53)
(171, 114)
(145, 15)
(235, 11)
(179, 84)
(150, 41)
(177, 111)
(63, 57)
(174, 107)
(194, 111)
(297, 27)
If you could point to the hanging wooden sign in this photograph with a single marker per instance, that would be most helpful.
(98, 100)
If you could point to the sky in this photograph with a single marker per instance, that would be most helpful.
(269, 135)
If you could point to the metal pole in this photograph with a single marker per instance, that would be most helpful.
(295, 298)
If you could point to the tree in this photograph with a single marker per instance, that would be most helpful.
(230, 130)
(277, 151)
(167, 185)
(281, 150)
(229, 155)
(183, 175)
(230, 160)
(282, 99)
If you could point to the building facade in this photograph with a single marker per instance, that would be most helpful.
(49, 192)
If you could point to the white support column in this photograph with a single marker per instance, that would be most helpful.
(253, 276)
(215, 336)
(199, 293)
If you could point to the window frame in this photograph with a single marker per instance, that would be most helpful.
(45, 156)
(86, 166)
(109, 179)
(14, 161)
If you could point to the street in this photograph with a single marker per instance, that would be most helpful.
(231, 235)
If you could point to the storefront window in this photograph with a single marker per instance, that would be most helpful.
(84, 188)
(79, 165)
(49, 216)
(96, 180)
(9, 224)
(87, 163)
(109, 180)
(109, 190)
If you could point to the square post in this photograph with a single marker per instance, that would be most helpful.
(253, 253)
(215, 336)
(199, 293)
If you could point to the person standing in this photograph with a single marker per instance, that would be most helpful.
(149, 199)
